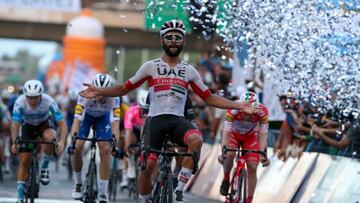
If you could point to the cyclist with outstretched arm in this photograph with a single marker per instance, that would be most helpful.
(104, 114)
(169, 78)
(249, 130)
(31, 115)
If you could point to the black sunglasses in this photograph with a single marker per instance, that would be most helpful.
(178, 38)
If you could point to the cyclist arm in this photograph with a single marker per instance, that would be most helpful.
(59, 118)
(139, 78)
(227, 128)
(263, 131)
(17, 118)
(15, 128)
(78, 115)
(115, 119)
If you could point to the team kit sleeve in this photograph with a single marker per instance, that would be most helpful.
(229, 119)
(17, 115)
(80, 109)
(263, 122)
(56, 112)
(197, 85)
(116, 109)
(129, 115)
(140, 76)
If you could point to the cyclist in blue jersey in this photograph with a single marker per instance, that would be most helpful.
(104, 114)
(31, 114)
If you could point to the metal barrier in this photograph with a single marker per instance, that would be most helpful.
(315, 177)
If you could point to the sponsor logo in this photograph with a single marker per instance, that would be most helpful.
(79, 109)
(117, 112)
(169, 94)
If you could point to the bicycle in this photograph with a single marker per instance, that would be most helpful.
(115, 177)
(163, 187)
(238, 182)
(133, 158)
(90, 188)
(32, 185)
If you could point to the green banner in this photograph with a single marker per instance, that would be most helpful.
(159, 11)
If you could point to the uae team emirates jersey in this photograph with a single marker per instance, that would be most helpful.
(168, 86)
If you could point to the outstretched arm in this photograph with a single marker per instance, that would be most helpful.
(113, 91)
(220, 102)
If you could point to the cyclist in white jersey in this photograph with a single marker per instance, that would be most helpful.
(104, 114)
(32, 112)
(169, 78)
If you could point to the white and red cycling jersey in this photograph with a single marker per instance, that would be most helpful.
(168, 85)
(244, 129)
(241, 123)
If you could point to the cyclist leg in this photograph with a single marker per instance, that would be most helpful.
(76, 158)
(152, 137)
(103, 131)
(28, 133)
(192, 138)
(230, 140)
(47, 130)
(252, 161)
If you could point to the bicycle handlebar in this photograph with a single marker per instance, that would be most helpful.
(238, 150)
(115, 151)
(170, 154)
(53, 143)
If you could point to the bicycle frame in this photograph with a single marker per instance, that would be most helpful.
(163, 186)
(236, 191)
(32, 182)
(90, 189)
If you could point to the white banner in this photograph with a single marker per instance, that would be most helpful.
(59, 5)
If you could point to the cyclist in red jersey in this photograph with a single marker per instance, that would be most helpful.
(249, 130)
(169, 78)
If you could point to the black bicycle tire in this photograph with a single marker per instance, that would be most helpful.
(243, 185)
(33, 181)
(156, 193)
(115, 184)
(28, 189)
(170, 187)
(233, 188)
(91, 186)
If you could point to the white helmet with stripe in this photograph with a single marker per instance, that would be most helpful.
(172, 25)
(102, 80)
(33, 88)
(249, 96)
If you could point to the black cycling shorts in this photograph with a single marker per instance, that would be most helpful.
(31, 132)
(175, 127)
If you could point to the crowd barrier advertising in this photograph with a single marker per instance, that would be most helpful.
(315, 178)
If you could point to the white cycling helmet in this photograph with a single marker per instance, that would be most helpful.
(172, 25)
(73, 94)
(249, 96)
(141, 97)
(102, 80)
(33, 88)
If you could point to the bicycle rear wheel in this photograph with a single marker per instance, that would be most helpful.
(91, 183)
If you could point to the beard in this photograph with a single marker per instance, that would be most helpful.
(170, 53)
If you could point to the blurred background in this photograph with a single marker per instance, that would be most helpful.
(64, 43)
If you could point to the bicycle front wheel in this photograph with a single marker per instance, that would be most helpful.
(32, 184)
(242, 187)
(92, 182)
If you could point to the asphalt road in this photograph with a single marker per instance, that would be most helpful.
(59, 190)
